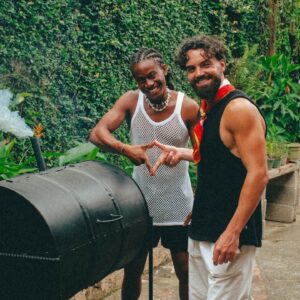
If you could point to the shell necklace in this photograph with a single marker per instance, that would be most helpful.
(161, 106)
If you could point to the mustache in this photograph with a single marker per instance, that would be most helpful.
(200, 78)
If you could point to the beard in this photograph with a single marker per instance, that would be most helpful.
(207, 91)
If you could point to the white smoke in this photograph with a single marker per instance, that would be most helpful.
(10, 121)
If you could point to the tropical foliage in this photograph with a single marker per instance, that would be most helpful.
(272, 84)
(8, 166)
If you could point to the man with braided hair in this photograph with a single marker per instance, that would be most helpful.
(226, 220)
(154, 112)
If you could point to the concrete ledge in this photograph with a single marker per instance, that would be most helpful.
(282, 193)
(288, 168)
(113, 281)
(280, 213)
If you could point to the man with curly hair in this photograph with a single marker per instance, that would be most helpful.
(226, 220)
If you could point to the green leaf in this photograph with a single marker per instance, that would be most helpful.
(77, 153)
(9, 146)
(294, 67)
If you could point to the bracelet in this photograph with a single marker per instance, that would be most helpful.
(122, 148)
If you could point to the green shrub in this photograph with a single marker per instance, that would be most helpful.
(269, 81)
(71, 56)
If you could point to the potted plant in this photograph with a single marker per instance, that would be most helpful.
(277, 153)
(294, 152)
(277, 149)
(270, 158)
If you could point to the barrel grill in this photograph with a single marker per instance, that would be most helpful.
(66, 228)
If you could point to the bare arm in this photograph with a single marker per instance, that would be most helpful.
(101, 135)
(244, 123)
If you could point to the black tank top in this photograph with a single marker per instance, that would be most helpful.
(220, 178)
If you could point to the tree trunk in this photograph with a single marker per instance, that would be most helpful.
(273, 8)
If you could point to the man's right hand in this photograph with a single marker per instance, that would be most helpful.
(169, 156)
(226, 247)
(138, 154)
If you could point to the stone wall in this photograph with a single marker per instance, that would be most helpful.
(282, 193)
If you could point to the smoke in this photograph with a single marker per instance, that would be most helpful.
(10, 121)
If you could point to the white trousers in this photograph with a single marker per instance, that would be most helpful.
(229, 281)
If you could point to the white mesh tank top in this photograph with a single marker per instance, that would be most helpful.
(169, 193)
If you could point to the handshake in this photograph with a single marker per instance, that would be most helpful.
(169, 156)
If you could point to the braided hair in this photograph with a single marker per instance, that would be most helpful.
(150, 53)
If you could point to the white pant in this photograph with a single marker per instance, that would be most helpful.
(229, 281)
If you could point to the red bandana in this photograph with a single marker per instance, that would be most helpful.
(204, 108)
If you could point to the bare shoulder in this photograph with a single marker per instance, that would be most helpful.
(129, 98)
(189, 102)
(242, 113)
(190, 110)
(127, 102)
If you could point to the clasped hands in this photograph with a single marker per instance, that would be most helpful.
(169, 156)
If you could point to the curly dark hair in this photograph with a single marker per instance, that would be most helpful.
(150, 53)
(212, 46)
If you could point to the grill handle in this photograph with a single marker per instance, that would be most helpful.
(115, 219)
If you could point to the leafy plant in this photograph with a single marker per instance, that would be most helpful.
(82, 152)
(277, 150)
(88, 151)
(245, 72)
(275, 133)
(280, 99)
(8, 166)
(269, 81)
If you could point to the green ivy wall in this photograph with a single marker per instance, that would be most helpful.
(72, 55)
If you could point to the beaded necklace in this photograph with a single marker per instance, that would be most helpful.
(160, 106)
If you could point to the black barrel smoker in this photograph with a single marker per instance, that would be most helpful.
(67, 228)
